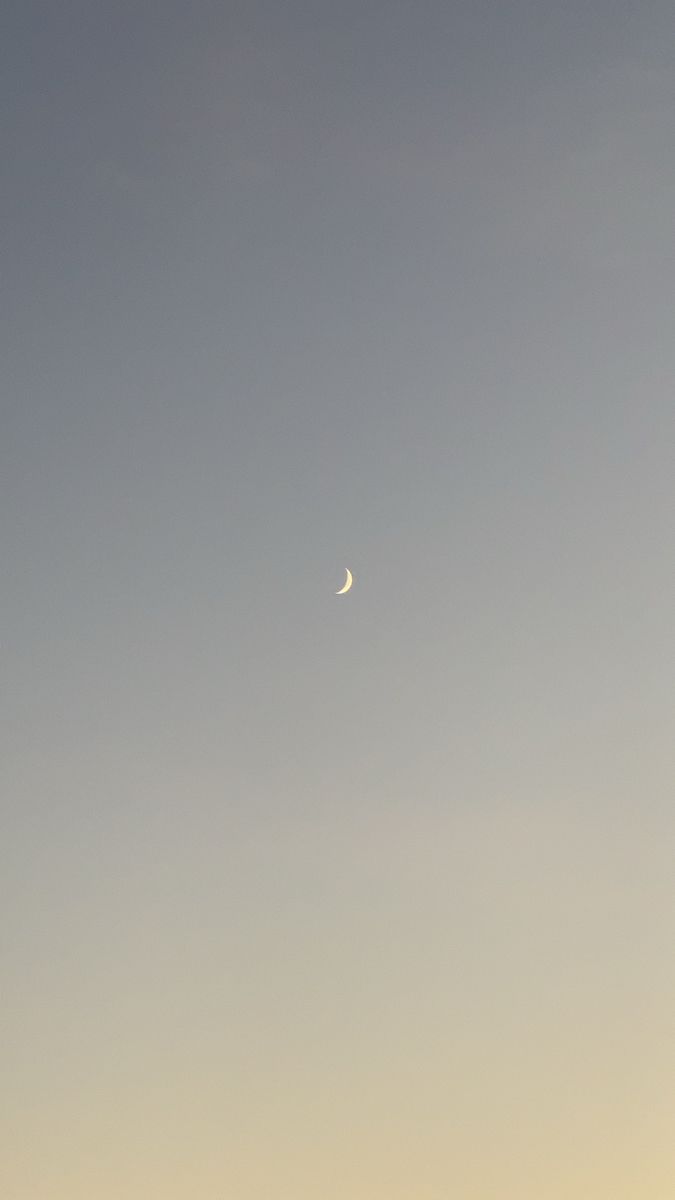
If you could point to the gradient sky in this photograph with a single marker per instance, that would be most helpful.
(306, 898)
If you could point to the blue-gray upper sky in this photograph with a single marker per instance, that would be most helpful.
(288, 288)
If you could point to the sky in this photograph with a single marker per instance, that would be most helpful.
(366, 897)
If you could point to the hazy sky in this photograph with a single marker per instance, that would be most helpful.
(318, 898)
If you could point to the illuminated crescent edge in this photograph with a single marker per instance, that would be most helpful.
(348, 583)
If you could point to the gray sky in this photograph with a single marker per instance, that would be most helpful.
(286, 289)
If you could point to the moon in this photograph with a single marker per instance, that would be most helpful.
(348, 583)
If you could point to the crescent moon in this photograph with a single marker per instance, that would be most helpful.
(348, 583)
